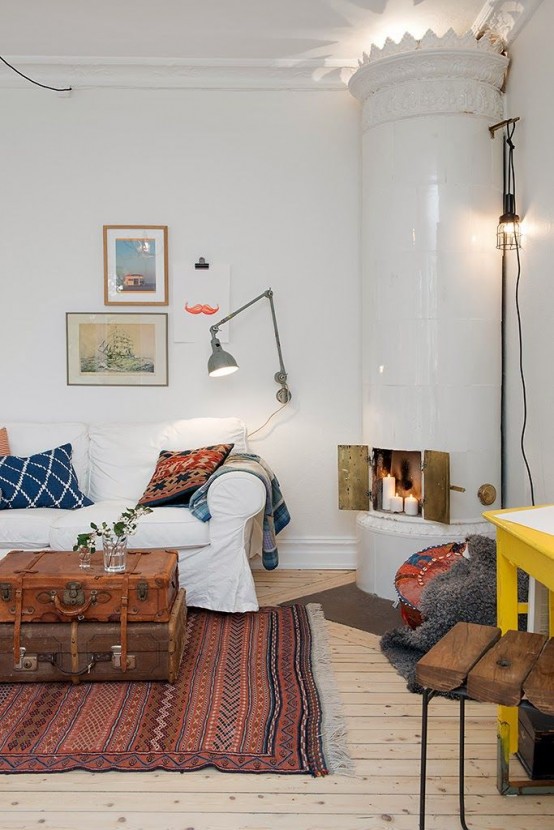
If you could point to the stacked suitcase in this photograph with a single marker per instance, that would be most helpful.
(58, 622)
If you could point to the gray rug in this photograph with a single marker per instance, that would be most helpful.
(349, 605)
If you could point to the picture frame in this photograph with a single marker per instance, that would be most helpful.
(116, 349)
(135, 265)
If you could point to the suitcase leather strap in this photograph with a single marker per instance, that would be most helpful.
(18, 611)
(74, 649)
(134, 558)
(124, 618)
(17, 623)
(32, 564)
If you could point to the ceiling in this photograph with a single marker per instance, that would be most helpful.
(224, 30)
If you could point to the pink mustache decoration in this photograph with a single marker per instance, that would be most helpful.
(201, 309)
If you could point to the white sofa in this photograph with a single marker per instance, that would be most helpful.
(113, 463)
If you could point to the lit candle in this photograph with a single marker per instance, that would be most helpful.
(389, 489)
(411, 505)
(396, 504)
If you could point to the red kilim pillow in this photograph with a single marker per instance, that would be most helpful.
(412, 577)
(179, 474)
(4, 443)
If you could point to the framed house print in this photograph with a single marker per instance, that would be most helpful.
(135, 265)
(116, 349)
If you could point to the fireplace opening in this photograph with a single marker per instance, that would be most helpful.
(411, 482)
(396, 481)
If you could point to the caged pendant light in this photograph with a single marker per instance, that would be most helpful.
(508, 233)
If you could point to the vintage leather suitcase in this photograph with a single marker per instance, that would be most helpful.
(46, 586)
(49, 586)
(90, 651)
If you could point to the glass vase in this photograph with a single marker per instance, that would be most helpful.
(115, 554)
(85, 555)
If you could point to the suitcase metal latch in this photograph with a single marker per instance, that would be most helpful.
(142, 591)
(5, 591)
(116, 658)
(73, 594)
(27, 662)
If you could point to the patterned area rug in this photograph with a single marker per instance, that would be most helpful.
(254, 694)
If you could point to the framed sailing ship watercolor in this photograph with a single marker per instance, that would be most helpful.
(135, 265)
(116, 349)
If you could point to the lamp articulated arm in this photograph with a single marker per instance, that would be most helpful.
(222, 362)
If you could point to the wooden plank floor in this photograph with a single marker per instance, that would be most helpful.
(383, 721)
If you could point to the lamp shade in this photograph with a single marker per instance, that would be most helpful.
(221, 362)
(508, 233)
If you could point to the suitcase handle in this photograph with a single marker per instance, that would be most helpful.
(87, 668)
(70, 611)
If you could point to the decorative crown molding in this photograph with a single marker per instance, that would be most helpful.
(505, 17)
(430, 41)
(448, 74)
(131, 73)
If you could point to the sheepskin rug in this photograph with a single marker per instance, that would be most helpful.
(465, 593)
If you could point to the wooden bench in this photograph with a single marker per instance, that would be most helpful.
(475, 662)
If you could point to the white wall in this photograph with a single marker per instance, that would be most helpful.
(529, 96)
(267, 181)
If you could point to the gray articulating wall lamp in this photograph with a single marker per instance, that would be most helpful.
(222, 363)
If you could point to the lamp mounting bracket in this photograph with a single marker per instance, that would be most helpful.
(501, 124)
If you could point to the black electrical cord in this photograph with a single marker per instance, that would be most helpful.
(522, 377)
(512, 189)
(44, 86)
(510, 130)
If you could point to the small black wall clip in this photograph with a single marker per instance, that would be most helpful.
(202, 263)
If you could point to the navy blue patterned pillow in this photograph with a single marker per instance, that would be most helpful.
(46, 479)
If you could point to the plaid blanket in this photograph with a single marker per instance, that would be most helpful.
(276, 514)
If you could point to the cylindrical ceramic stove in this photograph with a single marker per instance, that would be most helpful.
(432, 194)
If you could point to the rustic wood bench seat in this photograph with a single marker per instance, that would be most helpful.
(475, 662)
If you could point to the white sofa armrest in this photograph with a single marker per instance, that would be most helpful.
(238, 494)
(235, 500)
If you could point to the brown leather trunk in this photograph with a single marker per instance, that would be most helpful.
(90, 651)
(54, 588)
(49, 586)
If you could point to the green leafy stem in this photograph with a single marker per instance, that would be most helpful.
(126, 525)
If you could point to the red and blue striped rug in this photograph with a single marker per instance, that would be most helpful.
(254, 694)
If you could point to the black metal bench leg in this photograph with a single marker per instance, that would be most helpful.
(427, 695)
(461, 773)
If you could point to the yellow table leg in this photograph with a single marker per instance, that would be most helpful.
(533, 551)
(506, 578)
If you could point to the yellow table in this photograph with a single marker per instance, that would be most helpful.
(533, 552)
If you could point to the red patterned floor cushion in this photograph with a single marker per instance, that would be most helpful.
(412, 577)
